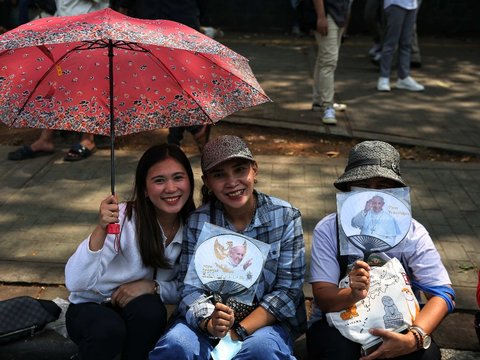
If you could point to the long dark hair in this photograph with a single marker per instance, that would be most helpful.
(149, 235)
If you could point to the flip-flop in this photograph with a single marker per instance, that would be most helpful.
(78, 152)
(25, 152)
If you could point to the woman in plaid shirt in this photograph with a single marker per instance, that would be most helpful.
(267, 329)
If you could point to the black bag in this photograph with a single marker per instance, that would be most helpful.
(23, 316)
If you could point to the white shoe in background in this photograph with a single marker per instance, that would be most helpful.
(409, 84)
(339, 106)
(383, 84)
(328, 117)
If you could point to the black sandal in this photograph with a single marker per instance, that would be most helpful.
(25, 152)
(78, 152)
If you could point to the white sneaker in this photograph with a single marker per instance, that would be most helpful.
(383, 84)
(336, 106)
(339, 106)
(409, 84)
(328, 117)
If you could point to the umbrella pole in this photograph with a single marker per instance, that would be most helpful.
(112, 122)
(112, 228)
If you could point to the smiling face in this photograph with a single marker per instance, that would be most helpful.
(237, 254)
(167, 186)
(377, 204)
(232, 182)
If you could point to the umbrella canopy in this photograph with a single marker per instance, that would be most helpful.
(55, 74)
(109, 74)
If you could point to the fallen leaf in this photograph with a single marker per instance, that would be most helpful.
(332, 153)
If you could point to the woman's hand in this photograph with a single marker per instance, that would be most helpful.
(109, 211)
(222, 320)
(394, 344)
(129, 291)
(107, 214)
(359, 280)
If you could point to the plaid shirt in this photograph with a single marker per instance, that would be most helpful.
(280, 287)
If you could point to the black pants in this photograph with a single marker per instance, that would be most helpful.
(325, 343)
(102, 331)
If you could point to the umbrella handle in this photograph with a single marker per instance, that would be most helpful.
(113, 229)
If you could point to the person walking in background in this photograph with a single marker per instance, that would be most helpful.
(119, 284)
(416, 57)
(45, 145)
(186, 12)
(373, 18)
(331, 16)
(400, 18)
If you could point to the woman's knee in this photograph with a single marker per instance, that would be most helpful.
(326, 342)
(180, 341)
(147, 307)
(273, 338)
(94, 321)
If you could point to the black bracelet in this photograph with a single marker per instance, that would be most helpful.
(241, 332)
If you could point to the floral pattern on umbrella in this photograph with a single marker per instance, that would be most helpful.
(54, 73)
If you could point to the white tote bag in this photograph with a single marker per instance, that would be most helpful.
(389, 304)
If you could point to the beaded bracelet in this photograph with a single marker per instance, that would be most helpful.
(418, 339)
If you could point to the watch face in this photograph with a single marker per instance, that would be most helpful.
(427, 341)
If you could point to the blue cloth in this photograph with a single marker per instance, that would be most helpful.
(280, 286)
(182, 342)
(445, 292)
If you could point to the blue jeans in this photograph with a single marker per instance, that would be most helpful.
(182, 342)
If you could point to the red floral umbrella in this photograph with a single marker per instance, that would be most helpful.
(110, 74)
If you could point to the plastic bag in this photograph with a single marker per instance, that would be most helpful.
(389, 304)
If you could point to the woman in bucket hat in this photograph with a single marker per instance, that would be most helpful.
(267, 329)
(375, 165)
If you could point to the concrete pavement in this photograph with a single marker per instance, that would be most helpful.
(48, 206)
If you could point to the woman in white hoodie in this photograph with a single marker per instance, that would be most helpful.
(120, 283)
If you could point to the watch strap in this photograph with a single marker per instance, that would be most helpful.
(240, 331)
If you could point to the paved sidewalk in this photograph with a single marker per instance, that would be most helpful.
(445, 116)
(47, 206)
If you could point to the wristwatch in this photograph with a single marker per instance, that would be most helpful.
(425, 339)
(240, 331)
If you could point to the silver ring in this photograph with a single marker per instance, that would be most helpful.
(111, 213)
